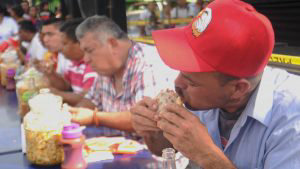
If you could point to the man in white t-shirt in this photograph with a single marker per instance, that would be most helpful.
(36, 50)
(28, 33)
(8, 26)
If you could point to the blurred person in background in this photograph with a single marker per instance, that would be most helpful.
(28, 33)
(16, 12)
(58, 12)
(126, 75)
(45, 13)
(33, 13)
(196, 7)
(151, 19)
(166, 15)
(78, 77)
(181, 10)
(25, 7)
(34, 17)
(8, 26)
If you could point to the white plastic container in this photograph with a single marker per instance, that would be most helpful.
(42, 125)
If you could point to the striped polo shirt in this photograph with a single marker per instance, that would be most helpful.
(80, 76)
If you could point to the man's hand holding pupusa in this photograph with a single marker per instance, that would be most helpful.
(182, 128)
(143, 116)
(46, 67)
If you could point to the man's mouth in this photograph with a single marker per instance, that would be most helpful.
(188, 106)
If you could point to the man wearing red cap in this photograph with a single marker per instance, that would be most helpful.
(238, 113)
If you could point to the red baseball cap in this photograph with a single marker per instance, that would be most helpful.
(228, 36)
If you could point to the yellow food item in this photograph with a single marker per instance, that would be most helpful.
(42, 147)
(43, 126)
(118, 145)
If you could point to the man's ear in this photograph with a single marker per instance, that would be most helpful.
(113, 45)
(240, 88)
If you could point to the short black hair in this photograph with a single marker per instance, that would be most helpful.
(69, 28)
(18, 10)
(27, 26)
(53, 21)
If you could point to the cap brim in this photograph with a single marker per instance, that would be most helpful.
(175, 51)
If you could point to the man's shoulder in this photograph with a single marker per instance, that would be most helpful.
(286, 97)
(140, 46)
(286, 87)
(144, 54)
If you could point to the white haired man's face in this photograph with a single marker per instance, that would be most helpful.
(101, 56)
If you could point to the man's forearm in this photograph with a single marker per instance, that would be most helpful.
(156, 142)
(70, 97)
(58, 82)
(116, 120)
(86, 103)
(215, 159)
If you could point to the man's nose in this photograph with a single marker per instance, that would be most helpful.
(45, 39)
(86, 58)
(180, 83)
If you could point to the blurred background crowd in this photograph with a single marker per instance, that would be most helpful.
(142, 16)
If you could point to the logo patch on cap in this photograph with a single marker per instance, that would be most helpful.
(201, 23)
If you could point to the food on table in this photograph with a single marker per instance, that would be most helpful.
(9, 60)
(42, 147)
(43, 125)
(166, 97)
(28, 84)
(4, 67)
(116, 145)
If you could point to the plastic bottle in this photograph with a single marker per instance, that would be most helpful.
(73, 141)
(168, 155)
(10, 79)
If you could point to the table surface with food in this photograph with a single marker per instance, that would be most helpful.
(99, 152)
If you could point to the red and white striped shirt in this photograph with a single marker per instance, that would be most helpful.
(80, 76)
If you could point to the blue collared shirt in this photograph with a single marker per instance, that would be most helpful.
(267, 134)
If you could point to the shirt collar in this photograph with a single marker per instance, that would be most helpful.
(129, 65)
(261, 101)
(127, 76)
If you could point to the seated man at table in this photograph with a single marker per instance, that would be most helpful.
(28, 33)
(238, 113)
(78, 76)
(126, 74)
(51, 38)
